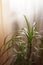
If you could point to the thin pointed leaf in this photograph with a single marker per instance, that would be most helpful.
(6, 50)
(28, 25)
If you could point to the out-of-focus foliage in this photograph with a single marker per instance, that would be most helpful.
(22, 46)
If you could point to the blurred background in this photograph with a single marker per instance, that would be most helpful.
(12, 19)
(12, 11)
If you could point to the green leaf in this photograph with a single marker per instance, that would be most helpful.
(28, 25)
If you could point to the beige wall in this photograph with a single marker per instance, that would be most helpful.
(1, 24)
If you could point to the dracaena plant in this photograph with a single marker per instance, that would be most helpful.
(21, 45)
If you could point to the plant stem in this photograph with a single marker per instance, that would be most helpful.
(29, 53)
